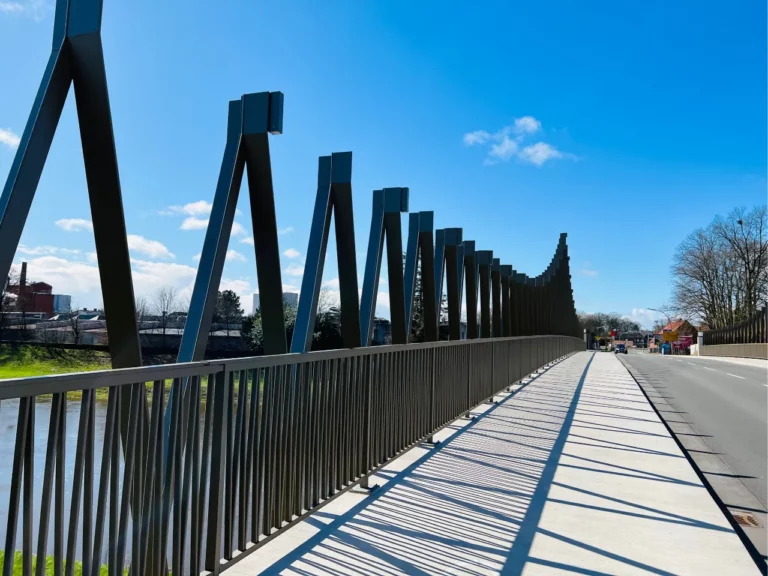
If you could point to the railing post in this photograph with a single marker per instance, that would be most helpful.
(432, 364)
(368, 370)
(218, 460)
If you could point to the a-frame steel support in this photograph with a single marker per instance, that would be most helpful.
(77, 58)
(251, 119)
(484, 260)
(388, 204)
(420, 252)
(334, 194)
(496, 293)
(471, 272)
(453, 273)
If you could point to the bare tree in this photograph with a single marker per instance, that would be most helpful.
(75, 324)
(720, 273)
(164, 302)
(326, 299)
(142, 310)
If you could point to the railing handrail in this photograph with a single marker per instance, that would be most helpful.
(13, 388)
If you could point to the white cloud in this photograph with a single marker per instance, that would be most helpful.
(151, 248)
(197, 256)
(199, 208)
(587, 271)
(287, 230)
(248, 240)
(332, 283)
(235, 256)
(193, 223)
(476, 137)
(291, 253)
(294, 270)
(504, 149)
(508, 143)
(11, 7)
(238, 229)
(44, 250)
(8, 137)
(539, 153)
(527, 124)
(35, 9)
(646, 318)
(74, 224)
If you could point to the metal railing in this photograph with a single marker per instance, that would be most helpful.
(255, 445)
(753, 330)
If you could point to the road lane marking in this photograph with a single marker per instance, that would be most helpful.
(735, 376)
(706, 368)
(691, 363)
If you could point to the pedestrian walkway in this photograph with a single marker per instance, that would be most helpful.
(572, 472)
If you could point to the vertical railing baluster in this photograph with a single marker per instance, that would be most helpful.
(218, 462)
(45, 501)
(103, 497)
(128, 479)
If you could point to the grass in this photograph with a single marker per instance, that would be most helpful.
(18, 559)
(23, 361)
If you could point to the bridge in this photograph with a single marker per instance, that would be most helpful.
(512, 449)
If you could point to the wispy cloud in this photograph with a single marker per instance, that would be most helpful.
(507, 143)
(199, 208)
(9, 137)
(193, 223)
(235, 256)
(35, 9)
(287, 230)
(248, 240)
(44, 250)
(587, 270)
(294, 270)
(291, 253)
(74, 224)
(151, 248)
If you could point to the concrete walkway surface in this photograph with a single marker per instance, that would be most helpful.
(573, 472)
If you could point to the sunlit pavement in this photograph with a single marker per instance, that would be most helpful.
(572, 472)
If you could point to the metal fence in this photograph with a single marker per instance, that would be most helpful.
(753, 330)
(255, 444)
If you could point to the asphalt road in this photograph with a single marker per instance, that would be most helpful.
(725, 401)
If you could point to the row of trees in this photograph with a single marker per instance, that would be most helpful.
(601, 324)
(720, 272)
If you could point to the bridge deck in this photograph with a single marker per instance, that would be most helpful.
(572, 472)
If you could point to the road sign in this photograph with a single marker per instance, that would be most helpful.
(670, 336)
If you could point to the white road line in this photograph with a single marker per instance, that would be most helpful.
(735, 376)
(705, 368)
(691, 363)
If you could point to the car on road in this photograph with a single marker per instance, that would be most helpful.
(621, 349)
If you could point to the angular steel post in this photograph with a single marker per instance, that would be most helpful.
(250, 120)
(484, 259)
(385, 222)
(439, 269)
(453, 239)
(420, 249)
(496, 291)
(506, 312)
(77, 58)
(471, 277)
(334, 194)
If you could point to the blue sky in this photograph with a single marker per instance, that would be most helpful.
(625, 125)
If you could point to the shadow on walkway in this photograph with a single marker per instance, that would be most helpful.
(536, 484)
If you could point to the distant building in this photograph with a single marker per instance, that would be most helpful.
(34, 297)
(382, 332)
(61, 303)
(290, 299)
